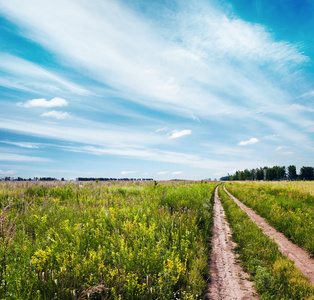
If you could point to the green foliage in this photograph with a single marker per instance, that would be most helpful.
(275, 276)
(107, 240)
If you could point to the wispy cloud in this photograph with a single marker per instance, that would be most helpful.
(55, 102)
(55, 114)
(8, 173)
(25, 75)
(202, 63)
(280, 148)
(300, 108)
(161, 129)
(85, 132)
(19, 157)
(249, 142)
(176, 134)
(181, 71)
(162, 173)
(127, 172)
(309, 94)
(22, 144)
(177, 173)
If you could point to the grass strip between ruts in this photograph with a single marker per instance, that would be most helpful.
(275, 276)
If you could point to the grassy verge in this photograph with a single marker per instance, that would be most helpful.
(274, 275)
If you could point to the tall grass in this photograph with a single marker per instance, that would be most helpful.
(287, 206)
(106, 240)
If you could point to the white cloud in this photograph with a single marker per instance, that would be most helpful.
(55, 114)
(8, 173)
(176, 134)
(55, 102)
(18, 157)
(127, 172)
(162, 172)
(177, 173)
(249, 142)
(22, 144)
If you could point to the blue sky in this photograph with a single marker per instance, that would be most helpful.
(159, 89)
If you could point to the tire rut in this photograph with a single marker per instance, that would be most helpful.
(292, 251)
(227, 277)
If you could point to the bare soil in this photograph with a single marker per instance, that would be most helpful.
(228, 280)
(292, 251)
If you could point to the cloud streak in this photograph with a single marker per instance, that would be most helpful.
(18, 157)
(55, 114)
(248, 142)
(22, 144)
(177, 134)
(22, 74)
(8, 173)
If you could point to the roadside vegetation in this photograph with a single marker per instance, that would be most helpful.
(275, 276)
(287, 206)
(88, 240)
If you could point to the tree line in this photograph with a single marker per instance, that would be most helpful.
(77, 179)
(273, 173)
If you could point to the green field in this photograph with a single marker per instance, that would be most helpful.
(142, 240)
(83, 240)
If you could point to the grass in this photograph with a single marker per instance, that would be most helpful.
(274, 275)
(104, 240)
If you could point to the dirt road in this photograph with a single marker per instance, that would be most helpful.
(227, 278)
(301, 257)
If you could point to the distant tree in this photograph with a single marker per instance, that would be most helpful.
(292, 172)
(259, 174)
(307, 173)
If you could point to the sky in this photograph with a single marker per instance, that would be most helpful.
(163, 89)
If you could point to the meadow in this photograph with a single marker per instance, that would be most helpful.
(287, 206)
(89, 240)
(143, 240)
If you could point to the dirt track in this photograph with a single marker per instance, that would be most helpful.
(227, 278)
(301, 257)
